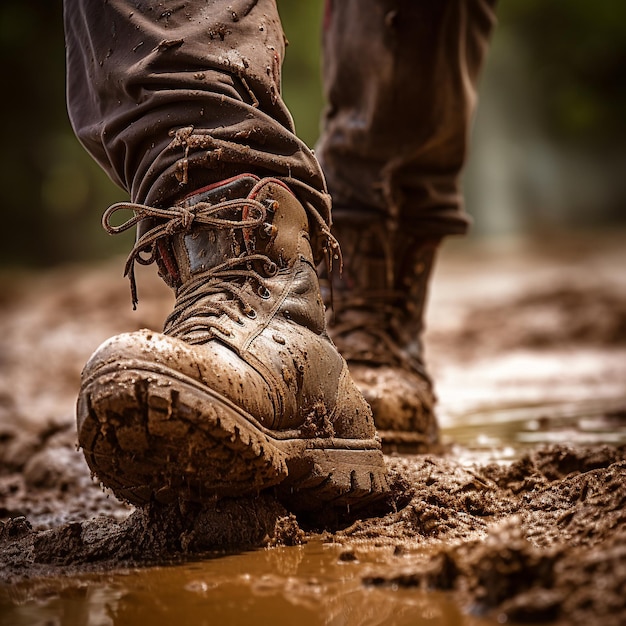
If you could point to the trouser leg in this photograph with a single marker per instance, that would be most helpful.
(400, 80)
(169, 97)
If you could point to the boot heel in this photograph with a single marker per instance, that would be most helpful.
(338, 478)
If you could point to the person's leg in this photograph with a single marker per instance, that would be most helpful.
(180, 103)
(400, 80)
(169, 97)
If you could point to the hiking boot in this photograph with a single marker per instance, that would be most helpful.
(243, 390)
(377, 323)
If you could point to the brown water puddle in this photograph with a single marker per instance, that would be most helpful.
(503, 433)
(306, 585)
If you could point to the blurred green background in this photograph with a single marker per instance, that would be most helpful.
(549, 150)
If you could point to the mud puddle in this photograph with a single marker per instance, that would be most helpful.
(502, 434)
(311, 585)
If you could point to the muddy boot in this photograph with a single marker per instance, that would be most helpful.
(243, 390)
(378, 306)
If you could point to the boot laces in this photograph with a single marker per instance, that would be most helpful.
(218, 290)
(366, 330)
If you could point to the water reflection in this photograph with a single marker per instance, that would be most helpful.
(306, 585)
(503, 433)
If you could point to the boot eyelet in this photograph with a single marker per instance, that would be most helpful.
(251, 313)
(270, 268)
(264, 292)
(266, 231)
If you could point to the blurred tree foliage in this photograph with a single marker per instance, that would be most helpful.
(48, 187)
(577, 50)
(302, 85)
(52, 194)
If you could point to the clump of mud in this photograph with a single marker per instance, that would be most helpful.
(541, 540)
(153, 535)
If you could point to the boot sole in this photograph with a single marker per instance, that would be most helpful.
(160, 436)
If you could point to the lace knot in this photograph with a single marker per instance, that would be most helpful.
(183, 223)
(177, 219)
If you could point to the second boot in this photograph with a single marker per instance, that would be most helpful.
(377, 324)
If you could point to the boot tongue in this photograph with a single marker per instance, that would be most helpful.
(204, 247)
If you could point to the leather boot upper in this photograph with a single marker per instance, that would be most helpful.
(249, 322)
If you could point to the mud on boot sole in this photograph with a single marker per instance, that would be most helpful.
(161, 436)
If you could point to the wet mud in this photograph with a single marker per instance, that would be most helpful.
(534, 535)
(542, 539)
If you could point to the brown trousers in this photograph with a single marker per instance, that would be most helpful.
(171, 96)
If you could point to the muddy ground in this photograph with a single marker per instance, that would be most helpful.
(523, 513)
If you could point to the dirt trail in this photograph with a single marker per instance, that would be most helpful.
(543, 538)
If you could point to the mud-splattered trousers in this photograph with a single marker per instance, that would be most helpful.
(170, 96)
